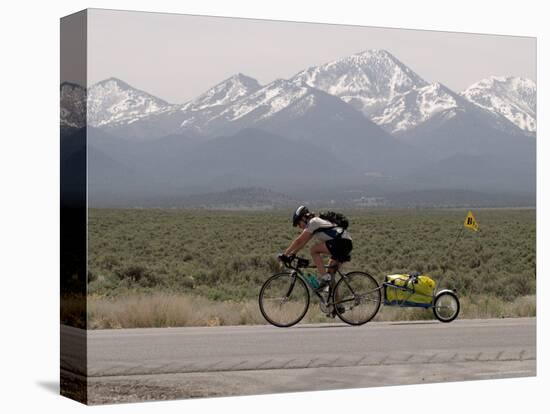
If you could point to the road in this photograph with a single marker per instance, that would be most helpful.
(141, 364)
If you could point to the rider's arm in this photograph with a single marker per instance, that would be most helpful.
(298, 243)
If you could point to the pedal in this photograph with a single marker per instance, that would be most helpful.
(324, 308)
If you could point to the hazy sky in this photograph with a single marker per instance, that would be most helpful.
(177, 57)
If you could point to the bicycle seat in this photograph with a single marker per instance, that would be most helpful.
(344, 258)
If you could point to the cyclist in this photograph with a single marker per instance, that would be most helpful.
(331, 240)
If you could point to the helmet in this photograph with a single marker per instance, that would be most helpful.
(298, 214)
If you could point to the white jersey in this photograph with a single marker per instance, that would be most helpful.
(332, 232)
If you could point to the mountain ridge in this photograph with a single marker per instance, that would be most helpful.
(374, 82)
(514, 98)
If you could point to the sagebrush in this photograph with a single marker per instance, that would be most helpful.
(227, 255)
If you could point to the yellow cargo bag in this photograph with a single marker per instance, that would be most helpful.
(416, 294)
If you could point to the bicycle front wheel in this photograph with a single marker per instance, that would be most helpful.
(284, 299)
(357, 298)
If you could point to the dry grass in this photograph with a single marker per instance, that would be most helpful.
(170, 310)
(470, 308)
(491, 307)
(163, 310)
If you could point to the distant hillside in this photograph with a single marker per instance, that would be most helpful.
(251, 198)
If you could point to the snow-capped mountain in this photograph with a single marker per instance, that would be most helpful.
(198, 113)
(72, 105)
(368, 81)
(383, 88)
(306, 115)
(191, 117)
(412, 108)
(278, 102)
(236, 103)
(363, 121)
(267, 101)
(113, 101)
(224, 93)
(512, 97)
(373, 82)
(288, 102)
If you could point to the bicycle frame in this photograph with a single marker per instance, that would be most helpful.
(296, 272)
(338, 302)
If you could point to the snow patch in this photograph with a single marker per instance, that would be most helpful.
(511, 97)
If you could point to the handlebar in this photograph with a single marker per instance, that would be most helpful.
(294, 262)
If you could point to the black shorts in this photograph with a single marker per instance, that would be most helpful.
(340, 249)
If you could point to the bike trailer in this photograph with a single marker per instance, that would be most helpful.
(403, 291)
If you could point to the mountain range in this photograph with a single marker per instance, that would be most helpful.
(365, 122)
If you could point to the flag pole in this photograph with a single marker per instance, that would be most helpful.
(456, 240)
(470, 223)
(450, 251)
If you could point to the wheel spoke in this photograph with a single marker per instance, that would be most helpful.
(361, 295)
(284, 299)
(446, 306)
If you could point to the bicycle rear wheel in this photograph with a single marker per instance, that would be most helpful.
(357, 298)
(284, 299)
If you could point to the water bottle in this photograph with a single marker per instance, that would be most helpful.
(312, 280)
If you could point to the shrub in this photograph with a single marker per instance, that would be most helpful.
(110, 262)
(139, 275)
(146, 250)
(187, 282)
(131, 273)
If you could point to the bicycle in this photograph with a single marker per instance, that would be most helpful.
(285, 297)
(355, 298)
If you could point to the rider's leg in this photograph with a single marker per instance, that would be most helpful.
(333, 266)
(316, 251)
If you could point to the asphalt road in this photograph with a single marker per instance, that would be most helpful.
(141, 364)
